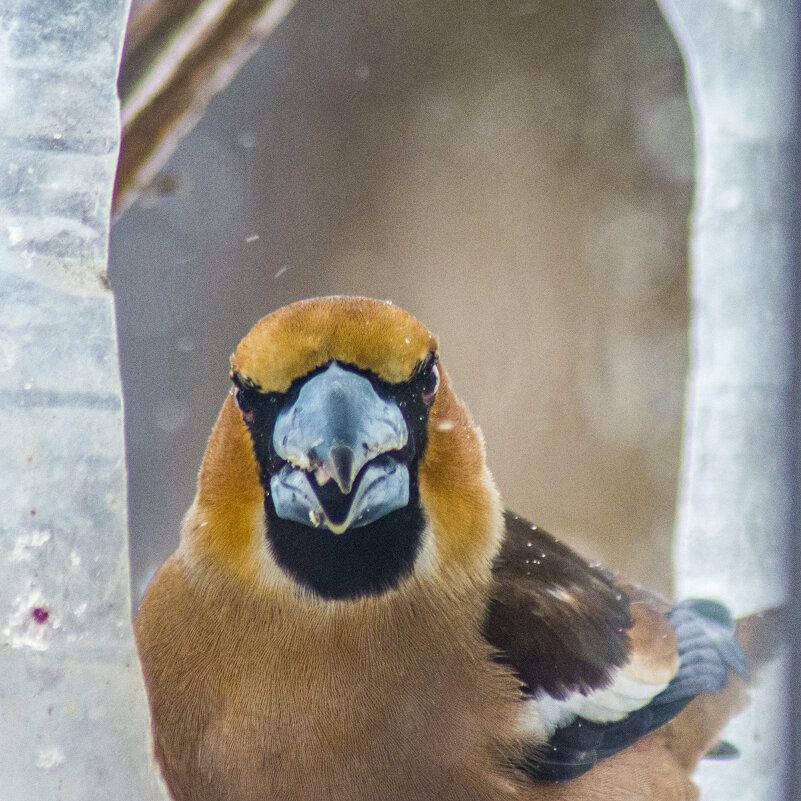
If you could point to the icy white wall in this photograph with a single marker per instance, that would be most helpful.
(734, 510)
(72, 703)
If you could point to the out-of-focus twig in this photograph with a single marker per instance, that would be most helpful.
(179, 54)
(153, 20)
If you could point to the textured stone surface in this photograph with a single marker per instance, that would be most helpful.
(71, 695)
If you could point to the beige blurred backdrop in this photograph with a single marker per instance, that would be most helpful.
(518, 175)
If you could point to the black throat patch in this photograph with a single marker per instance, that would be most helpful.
(361, 561)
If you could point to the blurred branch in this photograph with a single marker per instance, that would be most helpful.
(179, 54)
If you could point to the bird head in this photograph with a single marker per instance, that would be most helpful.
(342, 464)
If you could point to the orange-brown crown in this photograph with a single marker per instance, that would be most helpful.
(370, 334)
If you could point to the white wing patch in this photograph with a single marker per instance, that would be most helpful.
(625, 694)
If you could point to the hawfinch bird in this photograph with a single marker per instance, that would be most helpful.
(351, 615)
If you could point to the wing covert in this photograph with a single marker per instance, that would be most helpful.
(560, 622)
(602, 663)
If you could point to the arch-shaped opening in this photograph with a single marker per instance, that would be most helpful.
(518, 175)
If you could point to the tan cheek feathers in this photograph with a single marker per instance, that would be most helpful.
(224, 526)
(456, 489)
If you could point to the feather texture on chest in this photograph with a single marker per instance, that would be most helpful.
(307, 698)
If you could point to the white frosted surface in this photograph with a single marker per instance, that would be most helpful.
(734, 506)
(72, 703)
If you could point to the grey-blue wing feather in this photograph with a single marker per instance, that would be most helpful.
(707, 650)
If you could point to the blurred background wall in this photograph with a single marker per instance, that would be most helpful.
(516, 174)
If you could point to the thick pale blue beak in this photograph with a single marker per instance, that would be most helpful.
(336, 440)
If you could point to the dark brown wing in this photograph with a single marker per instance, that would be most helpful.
(561, 622)
(602, 663)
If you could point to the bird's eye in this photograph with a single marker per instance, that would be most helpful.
(245, 401)
(430, 384)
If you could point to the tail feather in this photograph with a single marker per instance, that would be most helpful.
(722, 750)
(760, 636)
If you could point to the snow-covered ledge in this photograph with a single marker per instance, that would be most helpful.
(72, 703)
(734, 511)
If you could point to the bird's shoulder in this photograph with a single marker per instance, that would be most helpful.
(565, 624)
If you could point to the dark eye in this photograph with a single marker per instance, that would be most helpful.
(430, 384)
(246, 401)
